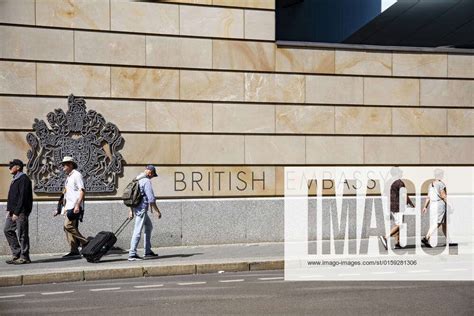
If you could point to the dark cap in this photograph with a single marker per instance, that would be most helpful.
(15, 162)
(152, 169)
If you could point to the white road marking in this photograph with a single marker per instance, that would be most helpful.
(191, 283)
(12, 296)
(418, 271)
(105, 289)
(267, 279)
(307, 277)
(147, 286)
(384, 272)
(230, 281)
(455, 269)
(57, 293)
(348, 274)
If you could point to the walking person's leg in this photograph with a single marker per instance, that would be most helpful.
(23, 227)
(137, 231)
(147, 234)
(74, 237)
(12, 239)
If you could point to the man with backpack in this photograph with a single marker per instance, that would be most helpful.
(140, 212)
(19, 205)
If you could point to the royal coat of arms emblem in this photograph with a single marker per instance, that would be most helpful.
(84, 135)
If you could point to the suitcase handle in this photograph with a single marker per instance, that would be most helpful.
(122, 227)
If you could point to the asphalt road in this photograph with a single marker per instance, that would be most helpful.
(246, 293)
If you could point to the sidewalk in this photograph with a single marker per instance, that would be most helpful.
(171, 261)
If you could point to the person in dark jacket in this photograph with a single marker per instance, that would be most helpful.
(19, 205)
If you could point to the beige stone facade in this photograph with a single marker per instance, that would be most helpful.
(200, 88)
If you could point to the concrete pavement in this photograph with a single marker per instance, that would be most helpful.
(171, 261)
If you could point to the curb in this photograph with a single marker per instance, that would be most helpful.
(137, 272)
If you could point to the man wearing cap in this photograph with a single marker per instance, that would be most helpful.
(19, 205)
(74, 193)
(140, 213)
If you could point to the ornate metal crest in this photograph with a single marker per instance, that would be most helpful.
(87, 137)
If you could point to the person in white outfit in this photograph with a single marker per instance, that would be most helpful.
(436, 201)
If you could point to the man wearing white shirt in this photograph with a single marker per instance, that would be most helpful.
(74, 192)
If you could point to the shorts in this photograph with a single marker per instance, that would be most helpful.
(397, 218)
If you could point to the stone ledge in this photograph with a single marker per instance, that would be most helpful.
(136, 272)
(55, 277)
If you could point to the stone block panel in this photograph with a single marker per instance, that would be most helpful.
(446, 150)
(212, 149)
(211, 22)
(109, 48)
(260, 25)
(17, 77)
(63, 79)
(196, 181)
(144, 83)
(412, 121)
(243, 118)
(445, 93)
(461, 66)
(360, 120)
(144, 17)
(391, 150)
(261, 87)
(334, 150)
(334, 90)
(213, 86)
(13, 145)
(274, 149)
(391, 91)
(304, 119)
(243, 180)
(265, 220)
(178, 52)
(36, 44)
(17, 12)
(20, 112)
(305, 60)
(460, 121)
(83, 14)
(214, 222)
(420, 65)
(254, 4)
(151, 148)
(363, 63)
(178, 117)
(243, 55)
(128, 115)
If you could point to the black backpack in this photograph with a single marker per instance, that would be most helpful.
(131, 194)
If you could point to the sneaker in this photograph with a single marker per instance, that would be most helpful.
(383, 240)
(151, 255)
(426, 242)
(72, 254)
(398, 246)
(134, 258)
(12, 260)
(22, 261)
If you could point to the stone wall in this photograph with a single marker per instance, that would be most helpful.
(200, 87)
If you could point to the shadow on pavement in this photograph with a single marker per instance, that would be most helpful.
(155, 258)
(56, 259)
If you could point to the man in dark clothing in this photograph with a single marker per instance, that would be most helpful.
(19, 205)
(395, 214)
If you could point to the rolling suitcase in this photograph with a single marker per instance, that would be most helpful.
(102, 243)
